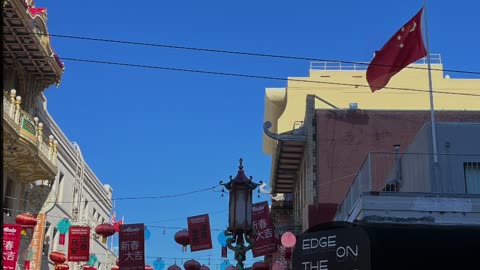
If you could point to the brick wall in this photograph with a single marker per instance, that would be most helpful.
(344, 138)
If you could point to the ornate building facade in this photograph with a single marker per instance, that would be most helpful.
(44, 173)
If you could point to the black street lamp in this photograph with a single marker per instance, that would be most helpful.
(240, 214)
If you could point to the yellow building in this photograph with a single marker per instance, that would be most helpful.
(289, 113)
(341, 84)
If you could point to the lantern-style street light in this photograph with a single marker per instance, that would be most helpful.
(240, 214)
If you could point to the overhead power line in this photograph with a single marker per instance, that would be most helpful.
(251, 76)
(134, 198)
(178, 47)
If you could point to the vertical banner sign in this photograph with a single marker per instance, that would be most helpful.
(265, 238)
(36, 245)
(132, 246)
(199, 233)
(78, 244)
(11, 244)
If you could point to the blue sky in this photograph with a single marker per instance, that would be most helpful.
(153, 133)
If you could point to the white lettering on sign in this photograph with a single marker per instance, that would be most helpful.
(10, 230)
(322, 242)
(318, 265)
(258, 208)
(131, 229)
(347, 251)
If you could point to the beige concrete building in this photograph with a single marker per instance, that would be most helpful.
(43, 172)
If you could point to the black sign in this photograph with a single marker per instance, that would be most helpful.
(334, 249)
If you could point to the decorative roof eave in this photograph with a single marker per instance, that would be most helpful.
(41, 14)
(241, 179)
(34, 20)
(283, 137)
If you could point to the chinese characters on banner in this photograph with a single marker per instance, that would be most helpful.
(36, 245)
(11, 243)
(132, 247)
(265, 234)
(78, 244)
(199, 233)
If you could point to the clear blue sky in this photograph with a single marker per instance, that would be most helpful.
(152, 133)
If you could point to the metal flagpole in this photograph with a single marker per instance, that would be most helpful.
(432, 111)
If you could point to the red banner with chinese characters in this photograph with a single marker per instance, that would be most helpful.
(11, 243)
(199, 233)
(78, 244)
(132, 247)
(265, 233)
(36, 245)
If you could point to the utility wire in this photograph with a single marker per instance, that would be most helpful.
(252, 76)
(133, 198)
(178, 47)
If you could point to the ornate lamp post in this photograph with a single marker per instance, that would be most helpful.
(240, 214)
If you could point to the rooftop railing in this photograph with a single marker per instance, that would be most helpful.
(435, 59)
(414, 173)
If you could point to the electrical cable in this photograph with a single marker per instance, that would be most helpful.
(243, 53)
(135, 198)
(253, 76)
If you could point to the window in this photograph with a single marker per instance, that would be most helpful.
(55, 238)
(472, 177)
(9, 195)
(46, 241)
(60, 187)
(85, 208)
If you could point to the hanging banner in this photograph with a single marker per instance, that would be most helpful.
(36, 245)
(199, 233)
(11, 244)
(78, 244)
(132, 247)
(265, 238)
(224, 252)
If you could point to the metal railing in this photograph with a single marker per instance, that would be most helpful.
(29, 126)
(337, 66)
(413, 173)
(435, 59)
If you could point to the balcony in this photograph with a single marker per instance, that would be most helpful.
(409, 187)
(27, 157)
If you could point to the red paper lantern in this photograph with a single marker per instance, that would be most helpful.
(115, 267)
(26, 220)
(181, 237)
(57, 257)
(174, 267)
(204, 267)
(62, 266)
(260, 266)
(87, 267)
(148, 267)
(105, 230)
(192, 265)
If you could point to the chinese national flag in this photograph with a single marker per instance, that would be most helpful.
(117, 225)
(402, 49)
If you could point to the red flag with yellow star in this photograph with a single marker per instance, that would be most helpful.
(402, 49)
